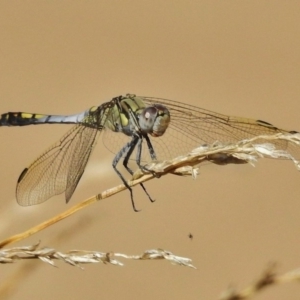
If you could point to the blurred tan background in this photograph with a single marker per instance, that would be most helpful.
(235, 57)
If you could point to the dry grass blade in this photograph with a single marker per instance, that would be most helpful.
(9, 285)
(267, 279)
(79, 257)
(245, 151)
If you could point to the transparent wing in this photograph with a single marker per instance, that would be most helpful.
(59, 169)
(191, 127)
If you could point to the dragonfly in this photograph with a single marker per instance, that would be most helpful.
(135, 128)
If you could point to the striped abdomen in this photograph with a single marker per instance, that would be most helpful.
(22, 119)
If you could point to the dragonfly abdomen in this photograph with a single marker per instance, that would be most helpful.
(23, 119)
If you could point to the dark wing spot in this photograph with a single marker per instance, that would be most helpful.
(264, 123)
(22, 174)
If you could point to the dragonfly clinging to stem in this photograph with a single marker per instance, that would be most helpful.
(153, 129)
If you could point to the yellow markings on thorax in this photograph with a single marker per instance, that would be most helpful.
(94, 108)
(123, 119)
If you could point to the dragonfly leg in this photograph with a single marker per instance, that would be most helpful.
(153, 157)
(128, 147)
(138, 159)
(138, 162)
(150, 148)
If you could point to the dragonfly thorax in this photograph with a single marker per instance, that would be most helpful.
(154, 120)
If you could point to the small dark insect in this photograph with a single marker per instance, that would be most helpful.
(190, 236)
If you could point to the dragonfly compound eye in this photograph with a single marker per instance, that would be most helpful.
(161, 122)
(147, 119)
(154, 120)
(150, 113)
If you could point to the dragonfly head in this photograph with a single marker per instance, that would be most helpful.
(154, 120)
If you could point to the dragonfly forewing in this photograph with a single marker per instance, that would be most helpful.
(191, 127)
